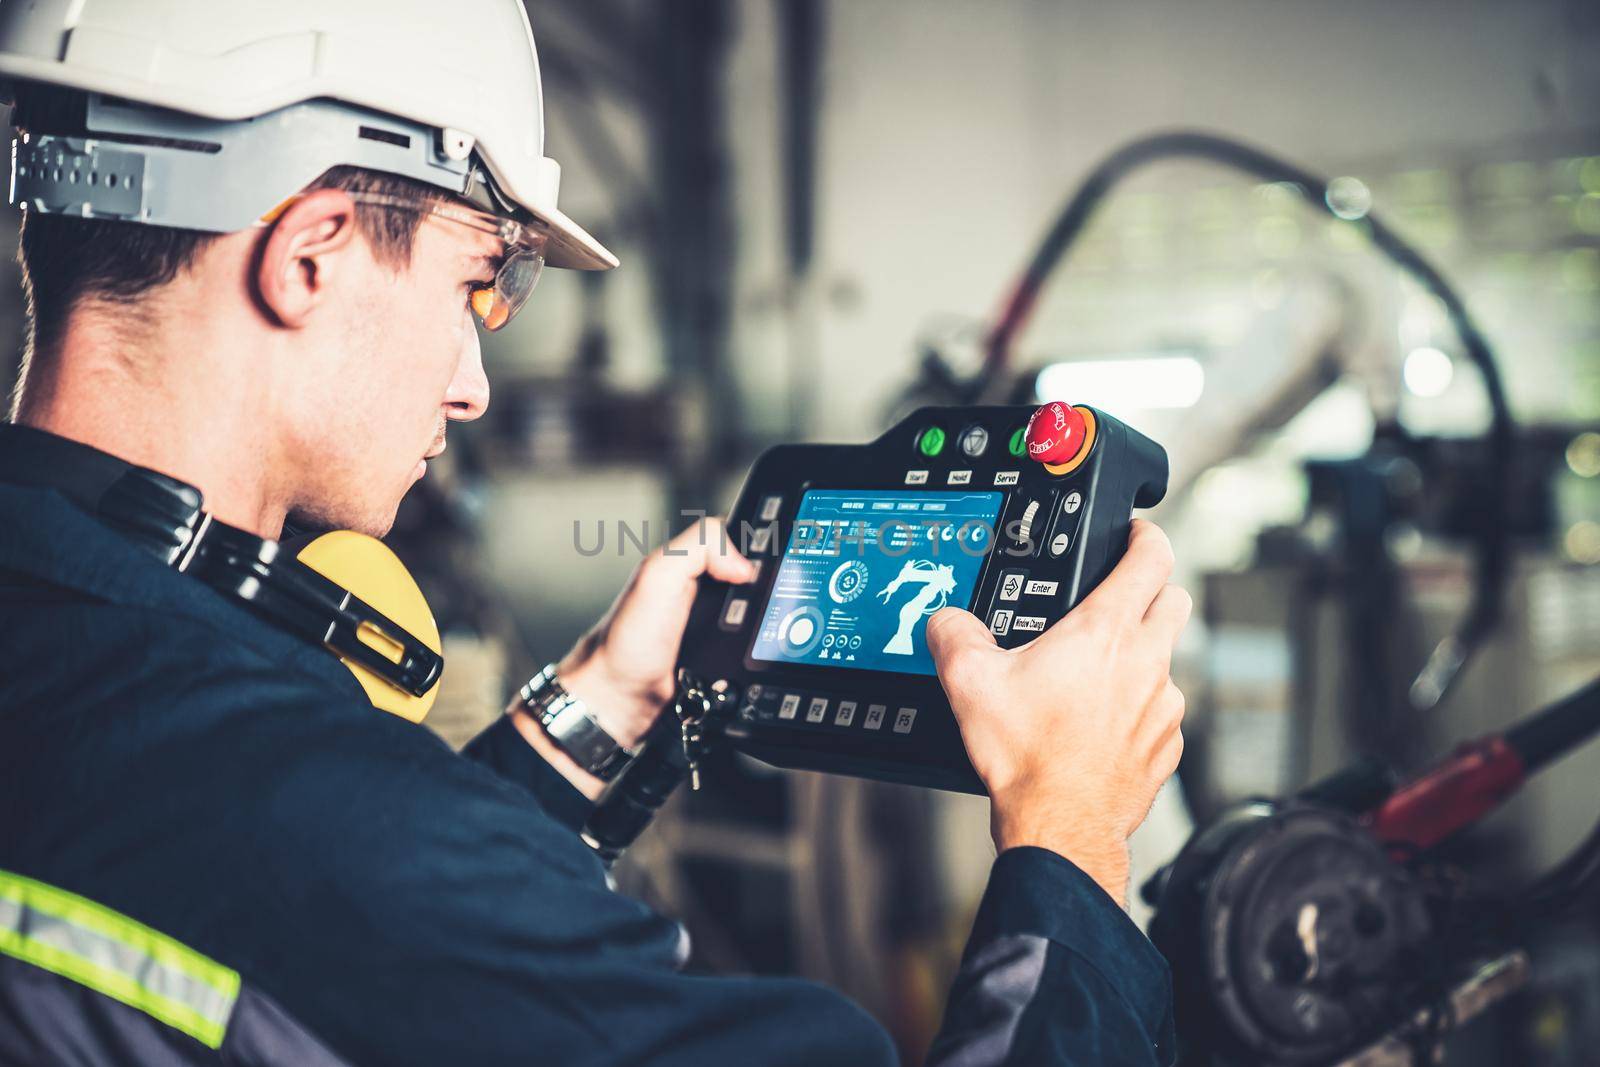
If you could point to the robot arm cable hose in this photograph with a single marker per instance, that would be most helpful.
(1552, 733)
(1481, 774)
(1451, 654)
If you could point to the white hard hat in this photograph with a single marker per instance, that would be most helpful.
(207, 113)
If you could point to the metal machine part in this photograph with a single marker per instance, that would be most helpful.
(1292, 936)
(1485, 987)
(1308, 932)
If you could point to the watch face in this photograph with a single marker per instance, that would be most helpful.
(569, 725)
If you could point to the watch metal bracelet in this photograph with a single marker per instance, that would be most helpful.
(566, 720)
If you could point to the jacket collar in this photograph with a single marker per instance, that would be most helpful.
(50, 534)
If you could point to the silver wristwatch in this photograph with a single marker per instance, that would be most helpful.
(567, 722)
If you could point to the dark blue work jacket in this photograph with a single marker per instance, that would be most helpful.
(217, 787)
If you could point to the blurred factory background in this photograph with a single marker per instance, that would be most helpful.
(820, 207)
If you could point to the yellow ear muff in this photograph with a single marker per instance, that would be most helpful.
(366, 566)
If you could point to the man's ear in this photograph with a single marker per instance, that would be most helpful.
(298, 260)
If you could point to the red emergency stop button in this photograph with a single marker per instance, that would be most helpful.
(1057, 434)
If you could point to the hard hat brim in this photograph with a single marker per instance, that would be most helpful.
(570, 245)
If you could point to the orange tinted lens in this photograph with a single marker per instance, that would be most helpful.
(489, 308)
(482, 301)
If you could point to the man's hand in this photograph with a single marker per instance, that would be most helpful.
(623, 668)
(1074, 733)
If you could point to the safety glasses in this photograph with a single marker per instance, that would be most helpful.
(496, 302)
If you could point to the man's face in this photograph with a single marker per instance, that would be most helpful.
(393, 361)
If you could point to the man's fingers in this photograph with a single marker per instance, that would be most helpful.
(665, 584)
(1163, 717)
(958, 641)
(1143, 572)
(724, 561)
(703, 548)
(1169, 755)
(1169, 613)
(658, 601)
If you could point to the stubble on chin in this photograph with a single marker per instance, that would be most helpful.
(374, 520)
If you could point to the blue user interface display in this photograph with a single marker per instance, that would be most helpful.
(865, 570)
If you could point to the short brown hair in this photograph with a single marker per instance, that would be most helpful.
(67, 259)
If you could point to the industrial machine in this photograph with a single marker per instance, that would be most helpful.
(1322, 928)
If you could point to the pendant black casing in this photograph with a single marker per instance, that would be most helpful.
(1056, 537)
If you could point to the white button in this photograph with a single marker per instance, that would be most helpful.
(818, 709)
(1039, 588)
(770, 506)
(1006, 477)
(846, 714)
(735, 612)
(1073, 502)
(1011, 586)
(760, 538)
(875, 714)
(791, 706)
(1059, 543)
(904, 720)
(1001, 622)
(1030, 623)
(974, 441)
(960, 477)
(916, 477)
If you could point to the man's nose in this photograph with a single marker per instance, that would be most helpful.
(468, 395)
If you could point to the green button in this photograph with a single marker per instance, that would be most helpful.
(931, 443)
(1019, 442)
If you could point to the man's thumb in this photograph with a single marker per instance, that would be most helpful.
(957, 640)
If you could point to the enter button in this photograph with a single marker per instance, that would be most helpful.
(1040, 588)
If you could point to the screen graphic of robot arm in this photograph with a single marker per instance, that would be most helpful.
(938, 581)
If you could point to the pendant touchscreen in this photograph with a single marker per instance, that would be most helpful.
(864, 570)
(1007, 513)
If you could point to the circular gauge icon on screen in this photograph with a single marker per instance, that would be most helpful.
(800, 631)
(848, 581)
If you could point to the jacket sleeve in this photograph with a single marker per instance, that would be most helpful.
(503, 750)
(1055, 975)
(437, 909)
(413, 907)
